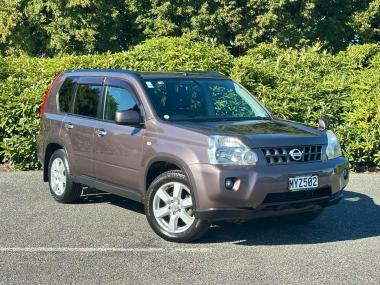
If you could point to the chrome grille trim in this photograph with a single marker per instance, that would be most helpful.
(280, 155)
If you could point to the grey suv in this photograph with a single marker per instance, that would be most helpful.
(194, 147)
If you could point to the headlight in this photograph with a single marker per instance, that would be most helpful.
(230, 150)
(333, 149)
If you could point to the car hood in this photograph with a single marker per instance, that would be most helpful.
(262, 133)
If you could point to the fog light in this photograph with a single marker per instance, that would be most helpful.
(345, 173)
(229, 183)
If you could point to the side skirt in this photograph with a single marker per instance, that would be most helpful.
(109, 187)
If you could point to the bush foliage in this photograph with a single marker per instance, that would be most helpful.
(307, 84)
(51, 27)
(299, 85)
(23, 81)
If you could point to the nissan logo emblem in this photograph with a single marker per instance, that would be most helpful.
(296, 154)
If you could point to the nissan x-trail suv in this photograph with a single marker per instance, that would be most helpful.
(194, 147)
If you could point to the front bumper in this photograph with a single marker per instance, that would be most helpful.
(256, 186)
(265, 211)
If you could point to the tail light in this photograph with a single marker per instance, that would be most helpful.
(56, 78)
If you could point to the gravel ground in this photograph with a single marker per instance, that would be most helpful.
(106, 239)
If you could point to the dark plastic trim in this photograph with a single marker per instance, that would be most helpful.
(264, 211)
(109, 187)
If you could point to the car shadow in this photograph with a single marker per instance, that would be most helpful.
(94, 196)
(355, 217)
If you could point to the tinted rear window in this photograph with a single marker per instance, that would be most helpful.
(87, 99)
(66, 93)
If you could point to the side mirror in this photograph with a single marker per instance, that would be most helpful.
(127, 117)
(323, 124)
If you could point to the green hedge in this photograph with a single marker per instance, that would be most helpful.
(297, 85)
(23, 81)
(305, 85)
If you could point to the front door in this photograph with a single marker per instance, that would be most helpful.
(118, 148)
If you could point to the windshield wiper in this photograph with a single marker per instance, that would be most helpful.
(254, 118)
(221, 119)
(242, 118)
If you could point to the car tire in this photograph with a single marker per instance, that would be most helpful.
(169, 208)
(61, 186)
(303, 218)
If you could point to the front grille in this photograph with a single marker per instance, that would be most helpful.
(297, 195)
(281, 155)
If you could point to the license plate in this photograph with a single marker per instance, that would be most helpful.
(303, 182)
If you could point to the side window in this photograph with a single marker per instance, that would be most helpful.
(66, 93)
(87, 99)
(118, 99)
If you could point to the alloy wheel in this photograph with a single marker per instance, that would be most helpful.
(58, 177)
(173, 207)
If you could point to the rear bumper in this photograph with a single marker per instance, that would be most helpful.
(263, 190)
(268, 210)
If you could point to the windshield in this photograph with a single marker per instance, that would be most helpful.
(188, 99)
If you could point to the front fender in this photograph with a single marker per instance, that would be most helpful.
(172, 153)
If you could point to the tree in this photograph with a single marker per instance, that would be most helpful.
(49, 27)
(242, 24)
(366, 23)
(41, 27)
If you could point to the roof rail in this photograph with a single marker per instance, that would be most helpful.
(168, 72)
(205, 72)
(186, 72)
(103, 70)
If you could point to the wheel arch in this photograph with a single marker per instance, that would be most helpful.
(49, 150)
(173, 161)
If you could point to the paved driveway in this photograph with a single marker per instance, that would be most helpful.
(105, 239)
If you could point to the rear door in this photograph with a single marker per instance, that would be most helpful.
(78, 129)
(118, 148)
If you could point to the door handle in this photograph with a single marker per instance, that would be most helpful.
(69, 126)
(100, 132)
